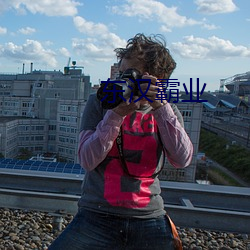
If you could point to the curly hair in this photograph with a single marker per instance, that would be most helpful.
(152, 51)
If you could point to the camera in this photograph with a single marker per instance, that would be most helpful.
(112, 92)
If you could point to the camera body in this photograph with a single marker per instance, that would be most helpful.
(112, 92)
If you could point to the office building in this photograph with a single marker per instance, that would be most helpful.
(192, 114)
(40, 111)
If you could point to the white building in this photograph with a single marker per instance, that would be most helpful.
(40, 111)
(192, 113)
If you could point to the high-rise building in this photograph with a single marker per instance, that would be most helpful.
(192, 114)
(114, 72)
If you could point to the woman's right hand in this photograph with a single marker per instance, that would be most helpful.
(126, 108)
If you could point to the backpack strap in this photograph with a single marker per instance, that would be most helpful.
(176, 237)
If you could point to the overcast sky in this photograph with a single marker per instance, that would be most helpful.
(209, 39)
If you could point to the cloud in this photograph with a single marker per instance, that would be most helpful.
(30, 51)
(63, 51)
(3, 30)
(210, 7)
(155, 11)
(211, 48)
(88, 27)
(209, 26)
(100, 43)
(46, 7)
(27, 31)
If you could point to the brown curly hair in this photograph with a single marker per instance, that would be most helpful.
(152, 51)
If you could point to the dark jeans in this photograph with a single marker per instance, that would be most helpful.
(90, 230)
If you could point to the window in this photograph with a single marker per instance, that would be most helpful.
(51, 137)
(186, 113)
(52, 127)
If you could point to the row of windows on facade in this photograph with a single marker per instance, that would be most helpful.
(26, 128)
(35, 149)
(56, 95)
(24, 113)
(168, 174)
(62, 128)
(65, 118)
(40, 138)
(16, 104)
(173, 173)
(63, 107)
(69, 108)
(66, 151)
(12, 130)
(25, 138)
(5, 86)
(30, 148)
(12, 113)
(66, 129)
(186, 113)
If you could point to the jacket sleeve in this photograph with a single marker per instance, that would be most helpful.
(177, 144)
(94, 145)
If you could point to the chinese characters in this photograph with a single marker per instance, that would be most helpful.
(168, 90)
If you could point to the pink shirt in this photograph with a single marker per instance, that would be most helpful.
(94, 145)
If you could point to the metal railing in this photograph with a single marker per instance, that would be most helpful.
(212, 207)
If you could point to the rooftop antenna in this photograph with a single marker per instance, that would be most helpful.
(66, 68)
(31, 67)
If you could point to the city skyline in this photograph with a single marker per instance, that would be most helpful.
(207, 38)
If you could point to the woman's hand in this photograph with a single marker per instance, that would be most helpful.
(126, 108)
(150, 93)
(153, 91)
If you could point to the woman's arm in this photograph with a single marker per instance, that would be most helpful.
(98, 131)
(177, 144)
(94, 145)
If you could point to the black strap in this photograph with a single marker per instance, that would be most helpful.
(119, 143)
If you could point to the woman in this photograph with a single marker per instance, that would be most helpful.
(122, 150)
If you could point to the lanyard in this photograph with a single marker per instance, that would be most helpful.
(119, 142)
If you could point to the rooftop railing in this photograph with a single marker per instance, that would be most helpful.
(212, 207)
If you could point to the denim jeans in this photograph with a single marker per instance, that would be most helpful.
(94, 231)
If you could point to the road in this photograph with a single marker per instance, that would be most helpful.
(212, 163)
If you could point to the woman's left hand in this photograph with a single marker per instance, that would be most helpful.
(155, 91)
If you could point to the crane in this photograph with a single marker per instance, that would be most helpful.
(66, 68)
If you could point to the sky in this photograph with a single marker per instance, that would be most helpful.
(208, 39)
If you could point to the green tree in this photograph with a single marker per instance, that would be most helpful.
(234, 157)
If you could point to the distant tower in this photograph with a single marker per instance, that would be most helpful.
(222, 85)
(114, 71)
(31, 67)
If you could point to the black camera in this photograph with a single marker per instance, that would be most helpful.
(112, 92)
